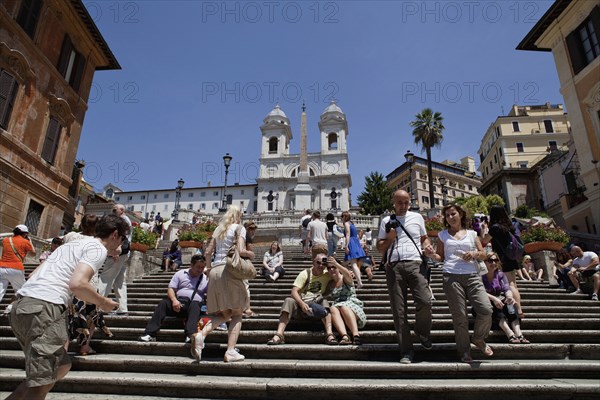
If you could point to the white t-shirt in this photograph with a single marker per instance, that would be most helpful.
(51, 281)
(403, 248)
(222, 246)
(318, 231)
(453, 262)
(304, 230)
(585, 259)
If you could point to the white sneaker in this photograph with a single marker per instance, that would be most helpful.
(7, 309)
(197, 346)
(595, 297)
(578, 291)
(233, 356)
(147, 338)
(222, 327)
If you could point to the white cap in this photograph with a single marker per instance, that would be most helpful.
(22, 228)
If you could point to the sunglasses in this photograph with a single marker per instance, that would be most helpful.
(492, 260)
(331, 267)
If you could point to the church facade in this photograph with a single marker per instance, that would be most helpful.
(306, 180)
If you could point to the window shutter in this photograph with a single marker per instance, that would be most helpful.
(51, 141)
(29, 15)
(77, 73)
(65, 53)
(575, 51)
(8, 92)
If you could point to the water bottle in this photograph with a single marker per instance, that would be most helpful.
(511, 308)
(203, 309)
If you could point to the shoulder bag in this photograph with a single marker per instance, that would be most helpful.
(479, 265)
(14, 249)
(424, 266)
(239, 267)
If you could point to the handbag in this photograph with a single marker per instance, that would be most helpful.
(239, 267)
(125, 246)
(479, 265)
(185, 302)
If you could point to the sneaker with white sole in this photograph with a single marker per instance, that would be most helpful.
(197, 345)
(595, 297)
(222, 327)
(147, 338)
(578, 291)
(233, 356)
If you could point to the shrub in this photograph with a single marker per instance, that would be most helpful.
(139, 235)
(543, 233)
(435, 223)
(198, 233)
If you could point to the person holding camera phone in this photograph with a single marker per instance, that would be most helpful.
(403, 271)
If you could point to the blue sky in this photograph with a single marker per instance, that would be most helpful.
(198, 77)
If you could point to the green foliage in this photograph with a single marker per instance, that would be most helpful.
(198, 233)
(460, 201)
(475, 205)
(139, 235)
(494, 200)
(377, 196)
(523, 211)
(543, 233)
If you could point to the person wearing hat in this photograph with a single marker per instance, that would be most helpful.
(530, 268)
(522, 272)
(15, 249)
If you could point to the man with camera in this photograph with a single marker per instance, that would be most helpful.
(185, 295)
(307, 300)
(404, 257)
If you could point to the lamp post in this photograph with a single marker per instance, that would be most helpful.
(410, 158)
(442, 180)
(226, 162)
(175, 213)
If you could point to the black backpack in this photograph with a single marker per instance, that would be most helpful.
(305, 222)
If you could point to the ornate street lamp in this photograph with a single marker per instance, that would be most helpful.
(226, 162)
(410, 159)
(175, 213)
(442, 180)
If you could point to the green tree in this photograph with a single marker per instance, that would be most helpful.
(377, 196)
(427, 131)
(476, 205)
(494, 200)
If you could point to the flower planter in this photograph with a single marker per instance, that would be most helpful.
(534, 247)
(190, 243)
(139, 247)
(432, 233)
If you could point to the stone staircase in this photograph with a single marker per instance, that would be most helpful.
(563, 361)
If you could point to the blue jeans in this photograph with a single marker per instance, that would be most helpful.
(331, 243)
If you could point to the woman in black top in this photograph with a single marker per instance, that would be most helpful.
(500, 229)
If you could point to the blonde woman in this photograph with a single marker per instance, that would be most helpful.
(227, 297)
(352, 248)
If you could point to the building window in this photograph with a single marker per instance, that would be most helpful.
(215, 206)
(155, 196)
(51, 141)
(270, 206)
(190, 206)
(242, 191)
(548, 126)
(191, 194)
(215, 193)
(273, 145)
(500, 151)
(203, 206)
(71, 64)
(583, 44)
(29, 15)
(520, 148)
(34, 216)
(522, 164)
(143, 197)
(166, 195)
(8, 93)
(202, 194)
(117, 198)
(332, 141)
(425, 199)
(495, 159)
(109, 193)
(424, 186)
(470, 188)
(454, 193)
(129, 198)
(497, 132)
(552, 145)
(515, 126)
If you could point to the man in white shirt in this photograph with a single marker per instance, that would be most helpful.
(402, 271)
(113, 275)
(303, 231)
(38, 317)
(317, 234)
(585, 267)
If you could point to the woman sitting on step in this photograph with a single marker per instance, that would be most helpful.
(346, 309)
(273, 263)
(503, 303)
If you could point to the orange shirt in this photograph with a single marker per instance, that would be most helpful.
(9, 259)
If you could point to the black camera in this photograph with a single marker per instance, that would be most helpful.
(393, 223)
(324, 260)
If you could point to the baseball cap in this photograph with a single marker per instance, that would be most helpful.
(527, 257)
(22, 228)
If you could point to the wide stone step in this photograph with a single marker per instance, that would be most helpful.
(182, 385)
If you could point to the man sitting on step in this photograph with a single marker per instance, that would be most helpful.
(185, 295)
(307, 300)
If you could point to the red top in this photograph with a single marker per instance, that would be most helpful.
(9, 258)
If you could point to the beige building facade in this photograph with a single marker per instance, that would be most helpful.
(49, 52)
(571, 31)
(513, 144)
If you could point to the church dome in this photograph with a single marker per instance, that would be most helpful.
(276, 116)
(333, 107)
(277, 112)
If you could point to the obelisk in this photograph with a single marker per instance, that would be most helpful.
(303, 191)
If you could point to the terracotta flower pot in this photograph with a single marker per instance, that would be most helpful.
(142, 248)
(534, 247)
(190, 243)
(432, 233)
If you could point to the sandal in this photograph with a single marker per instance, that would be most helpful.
(345, 341)
(356, 340)
(522, 340)
(514, 340)
(276, 340)
(331, 340)
(484, 348)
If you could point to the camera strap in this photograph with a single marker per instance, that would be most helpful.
(412, 240)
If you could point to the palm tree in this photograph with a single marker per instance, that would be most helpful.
(427, 130)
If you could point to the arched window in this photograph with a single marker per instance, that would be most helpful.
(273, 142)
(311, 172)
(332, 141)
(109, 193)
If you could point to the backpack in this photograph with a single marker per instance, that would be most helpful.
(305, 222)
(515, 248)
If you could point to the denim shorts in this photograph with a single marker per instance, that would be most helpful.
(41, 329)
